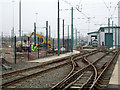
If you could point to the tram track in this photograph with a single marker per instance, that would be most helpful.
(23, 77)
(75, 69)
(71, 81)
(100, 82)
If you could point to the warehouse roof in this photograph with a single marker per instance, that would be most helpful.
(92, 32)
(107, 27)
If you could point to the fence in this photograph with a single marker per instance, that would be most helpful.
(20, 50)
(16, 50)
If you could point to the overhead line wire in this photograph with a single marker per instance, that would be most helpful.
(79, 11)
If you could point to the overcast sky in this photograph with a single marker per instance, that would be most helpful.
(97, 10)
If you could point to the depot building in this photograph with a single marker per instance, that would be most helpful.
(105, 36)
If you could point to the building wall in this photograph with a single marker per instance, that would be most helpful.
(102, 36)
(89, 38)
(93, 34)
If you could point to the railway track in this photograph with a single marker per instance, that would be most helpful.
(75, 69)
(18, 76)
(87, 77)
(103, 78)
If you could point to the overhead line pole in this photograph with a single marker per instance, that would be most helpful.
(76, 37)
(58, 32)
(108, 31)
(115, 35)
(68, 37)
(49, 32)
(35, 34)
(112, 31)
(46, 35)
(20, 19)
(108, 25)
(63, 32)
(72, 29)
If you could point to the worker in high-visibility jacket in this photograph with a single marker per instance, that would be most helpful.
(33, 48)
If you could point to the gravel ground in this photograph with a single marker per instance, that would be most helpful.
(93, 57)
(46, 80)
(80, 63)
(20, 65)
(102, 62)
(108, 75)
(31, 72)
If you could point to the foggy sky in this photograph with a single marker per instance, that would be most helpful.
(47, 11)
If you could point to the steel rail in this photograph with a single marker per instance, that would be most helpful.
(95, 69)
(70, 74)
(30, 68)
(104, 70)
(73, 67)
(75, 58)
(12, 82)
(94, 74)
(81, 70)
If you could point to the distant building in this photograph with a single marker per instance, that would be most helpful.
(92, 36)
(105, 37)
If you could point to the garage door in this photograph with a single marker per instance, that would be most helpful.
(109, 39)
